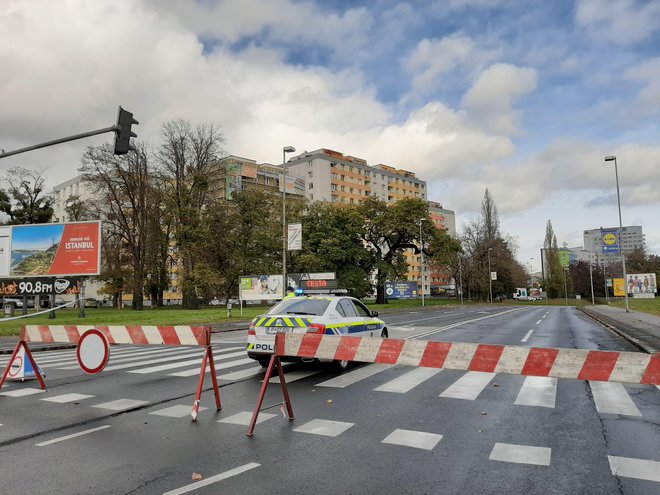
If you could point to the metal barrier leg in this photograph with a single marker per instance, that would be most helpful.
(214, 379)
(195, 407)
(262, 393)
(285, 390)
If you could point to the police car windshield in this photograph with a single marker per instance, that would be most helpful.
(300, 306)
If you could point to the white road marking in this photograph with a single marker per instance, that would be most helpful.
(324, 427)
(239, 375)
(538, 391)
(229, 364)
(402, 329)
(629, 467)
(74, 435)
(521, 454)
(293, 376)
(612, 398)
(72, 364)
(544, 315)
(408, 381)
(213, 479)
(469, 386)
(458, 324)
(63, 399)
(415, 439)
(121, 404)
(183, 364)
(527, 336)
(22, 392)
(243, 418)
(198, 353)
(354, 376)
(538, 322)
(178, 411)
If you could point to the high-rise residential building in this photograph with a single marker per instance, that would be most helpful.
(66, 190)
(630, 238)
(439, 276)
(337, 178)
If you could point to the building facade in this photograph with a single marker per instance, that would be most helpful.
(630, 238)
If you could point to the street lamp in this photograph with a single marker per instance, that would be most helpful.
(531, 272)
(490, 278)
(285, 150)
(591, 278)
(565, 289)
(612, 158)
(460, 276)
(421, 265)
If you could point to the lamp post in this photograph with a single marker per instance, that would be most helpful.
(490, 278)
(531, 272)
(421, 265)
(460, 276)
(565, 289)
(591, 278)
(285, 150)
(623, 256)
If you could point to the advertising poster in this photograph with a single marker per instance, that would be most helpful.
(40, 286)
(642, 284)
(294, 236)
(619, 287)
(261, 287)
(564, 258)
(400, 290)
(610, 239)
(55, 249)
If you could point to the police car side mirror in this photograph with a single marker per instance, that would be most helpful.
(374, 313)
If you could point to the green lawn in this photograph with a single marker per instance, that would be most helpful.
(651, 306)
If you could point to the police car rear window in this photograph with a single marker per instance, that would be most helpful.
(297, 306)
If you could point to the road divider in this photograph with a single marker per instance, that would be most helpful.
(93, 361)
(581, 364)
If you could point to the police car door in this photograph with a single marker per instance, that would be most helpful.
(351, 323)
(365, 316)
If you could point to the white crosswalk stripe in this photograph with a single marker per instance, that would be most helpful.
(612, 398)
(538, 391)
(469, 386)
(354, 376)
(216, 359)
(408, 381)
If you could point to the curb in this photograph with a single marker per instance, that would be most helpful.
(632, 340)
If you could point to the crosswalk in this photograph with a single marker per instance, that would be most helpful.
(232, 364)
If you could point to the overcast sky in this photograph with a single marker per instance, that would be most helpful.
(469, 94)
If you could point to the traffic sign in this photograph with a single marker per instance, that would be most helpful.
(93, 351)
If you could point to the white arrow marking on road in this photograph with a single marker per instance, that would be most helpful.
(524, 339)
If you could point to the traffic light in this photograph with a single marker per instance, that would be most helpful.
(123, 133)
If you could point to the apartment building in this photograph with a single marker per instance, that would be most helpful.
(63, 192)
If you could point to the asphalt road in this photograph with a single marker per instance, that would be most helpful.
(373, 429)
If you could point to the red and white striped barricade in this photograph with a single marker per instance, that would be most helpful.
(581, 364)
(178, 335)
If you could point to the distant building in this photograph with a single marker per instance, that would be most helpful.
(630, 238)
(62, 192)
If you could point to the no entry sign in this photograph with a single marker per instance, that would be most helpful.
(93, 351)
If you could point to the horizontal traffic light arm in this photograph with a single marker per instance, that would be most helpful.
(61, 140)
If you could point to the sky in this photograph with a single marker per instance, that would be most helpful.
(523, 98)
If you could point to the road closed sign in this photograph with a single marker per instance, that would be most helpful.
(93, 351)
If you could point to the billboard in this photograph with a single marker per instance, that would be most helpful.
(400, 290)
(40, 286)
(610, 241)
(619, 287)
(642, 284)
(294, 236)
(261, 287)
(564, 257)
(51, 249)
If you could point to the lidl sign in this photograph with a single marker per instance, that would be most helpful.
(610, 241)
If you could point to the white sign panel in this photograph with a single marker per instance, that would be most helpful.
(493, 275)
(294, 237)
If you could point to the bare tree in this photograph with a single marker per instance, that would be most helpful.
(186, 160)
(123, 186)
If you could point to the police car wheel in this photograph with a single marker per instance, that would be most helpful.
(341, 365)
(384, 334)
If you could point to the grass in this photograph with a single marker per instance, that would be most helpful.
(651, 306)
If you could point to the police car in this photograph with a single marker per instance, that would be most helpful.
(331, 315)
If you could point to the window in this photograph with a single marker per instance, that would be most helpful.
(311, 185)
(310, 174)
(334, 176)
(333, 187)
(352, 201)
(361, 309)
(342, 188)
(346, 308)
(342, 177)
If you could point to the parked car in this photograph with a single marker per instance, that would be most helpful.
(90, 302)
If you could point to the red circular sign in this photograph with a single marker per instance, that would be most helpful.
(93, 351)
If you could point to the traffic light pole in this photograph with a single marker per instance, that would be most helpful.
(113, 128)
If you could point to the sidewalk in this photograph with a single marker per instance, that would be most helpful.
(640, 329)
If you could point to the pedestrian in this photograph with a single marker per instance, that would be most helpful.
(289, 292)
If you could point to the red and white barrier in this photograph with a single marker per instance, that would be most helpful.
(177, 335)
(581, 364)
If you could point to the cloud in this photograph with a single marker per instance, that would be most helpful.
(621, 22)
(490, 99)
(647, 73)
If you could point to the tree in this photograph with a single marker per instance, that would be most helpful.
(25, 201)
(554, 276)
(77, 209)
(124, 186)
(186, 158)
(490, 218)
(332, 242)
